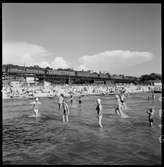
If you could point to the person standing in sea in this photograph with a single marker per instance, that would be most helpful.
(65, 111)
(36, 104)
(150, 113)
(99, 112)
(122, 100)
(118, 107)
(60, 101)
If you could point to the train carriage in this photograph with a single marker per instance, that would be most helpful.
(31, 71)
(61, 73)
(16, 70)
(86, 74)
(93, 75)
(105, 76)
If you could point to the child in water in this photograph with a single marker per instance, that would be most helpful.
(36, 106)
(99, 112)
(150, 113)
(65, 111)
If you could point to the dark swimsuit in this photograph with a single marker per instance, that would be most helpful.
(79, 101)
(65, 112)
(98, 110)
(150, 117)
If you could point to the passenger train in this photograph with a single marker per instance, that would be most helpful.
(14, 69)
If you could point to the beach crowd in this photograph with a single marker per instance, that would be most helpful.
(48, 90)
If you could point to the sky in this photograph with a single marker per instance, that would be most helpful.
(115, 38)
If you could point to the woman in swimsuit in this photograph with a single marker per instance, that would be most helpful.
(118, 107)
(60, 100)
(65, 111)
(99, 112)
(36, 106)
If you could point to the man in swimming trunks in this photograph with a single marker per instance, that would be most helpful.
(65, 111)
(60, 101)
(99, 112)
(36, 106)
(150, 113)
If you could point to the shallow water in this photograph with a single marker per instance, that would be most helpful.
(46, 140)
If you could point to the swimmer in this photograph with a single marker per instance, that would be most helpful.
(99, 112)
(36, 106)
(150, 113)
(65, 111)
(60, 100)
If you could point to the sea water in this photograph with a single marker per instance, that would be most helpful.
(47, 140)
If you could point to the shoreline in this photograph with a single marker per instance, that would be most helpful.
(77, 95)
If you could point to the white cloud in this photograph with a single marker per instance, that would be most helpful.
(44, 64)
(114, 61)
(21, 53)
(81, 67)
(59, 62)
